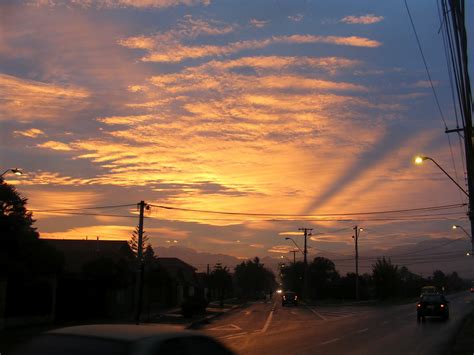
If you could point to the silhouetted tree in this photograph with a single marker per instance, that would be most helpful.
(386, 278)
(253, 278)
(133, 242)
(22, 253)
(292, 277)
(439, 280)
(220, 280)
(323, 278)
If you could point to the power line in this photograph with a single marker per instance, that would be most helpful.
(87, 208)
(86, 214)
(431, 208)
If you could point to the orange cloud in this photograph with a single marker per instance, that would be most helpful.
(30, 133)
(28, 100)
(166, 49)
(362, 20)
(55, 146)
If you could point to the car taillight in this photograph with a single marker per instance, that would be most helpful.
(284, 297)
(442, 306)
(418, 305)
(296, 297)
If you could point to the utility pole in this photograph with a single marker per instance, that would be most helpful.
(356, 239)
(305, 260)
(140, 269)
(460, 60)
(294, 255)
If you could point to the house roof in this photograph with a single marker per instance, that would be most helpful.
(176, 267)
(77, 252)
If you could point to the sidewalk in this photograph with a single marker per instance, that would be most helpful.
(174, 317)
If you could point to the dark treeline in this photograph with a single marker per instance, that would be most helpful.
(386, 281)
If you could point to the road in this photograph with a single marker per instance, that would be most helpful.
(270, 328)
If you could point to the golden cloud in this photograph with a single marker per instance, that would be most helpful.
(55, 146)
(28, 100)
(166, 48)
(362, 20)
(30, 133)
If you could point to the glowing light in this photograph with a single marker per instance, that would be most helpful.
(419, 160)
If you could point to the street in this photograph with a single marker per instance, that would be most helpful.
(270, 328)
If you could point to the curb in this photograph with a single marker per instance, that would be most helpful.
(199, 322)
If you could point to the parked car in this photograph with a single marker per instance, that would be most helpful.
(432, 305)
(126, 339)
(289, 297)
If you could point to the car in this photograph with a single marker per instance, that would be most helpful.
(122, 339)
(472, 289)
(432, 305)
(428, 290)
(289, 297)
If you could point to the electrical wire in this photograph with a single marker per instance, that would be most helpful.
(431, 208)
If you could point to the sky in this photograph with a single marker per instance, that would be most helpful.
(283, 108)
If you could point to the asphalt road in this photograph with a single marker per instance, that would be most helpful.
(270, 328)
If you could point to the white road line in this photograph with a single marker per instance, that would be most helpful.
(233, 335)
(330, 341)
(267, 323)
(362, 330)
(317, 313)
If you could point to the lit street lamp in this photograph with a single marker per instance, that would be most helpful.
(420, 159)
(462, 228)
(15, 171)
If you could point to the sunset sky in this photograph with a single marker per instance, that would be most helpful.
(311, 108)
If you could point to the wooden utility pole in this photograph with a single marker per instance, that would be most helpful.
(455, 28)
(140, 269)
(356, 240)
(305, 260)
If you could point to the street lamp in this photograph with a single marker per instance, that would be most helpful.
(289, 238)
(420, 159)
(15, 171)
(462, 228)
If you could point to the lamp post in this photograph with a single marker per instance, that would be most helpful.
(15, 171)
(455, 226)
(420, 159)
(288, 238)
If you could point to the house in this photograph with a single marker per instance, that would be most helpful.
(98, 279)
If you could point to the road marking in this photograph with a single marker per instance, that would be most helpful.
(269, 319)
(330, 341)
(226, 327)
(362, 330)
(233, 335)
(267, 323)
(318, 314)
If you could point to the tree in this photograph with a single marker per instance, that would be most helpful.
(439, 280)
(253, 278)
(23, 253)
(149, 257)
(386, 278)
(220, 280)
(133, 242)
(323, 278)
(292, 277)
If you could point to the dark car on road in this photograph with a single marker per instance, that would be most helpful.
(432, 305)
(289, 297)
